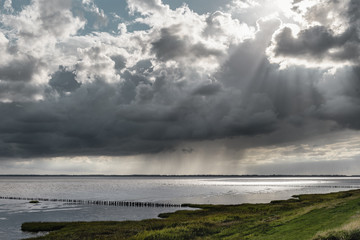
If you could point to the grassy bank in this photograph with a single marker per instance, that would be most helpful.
(322, 216)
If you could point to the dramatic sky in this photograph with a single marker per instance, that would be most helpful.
(180, 87)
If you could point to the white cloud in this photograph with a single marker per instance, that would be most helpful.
(8, 6)
(203, 83)
(243, 4)
(150, 7)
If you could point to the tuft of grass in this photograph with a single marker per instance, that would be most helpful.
(348, 231)
(340, 235)
(313, 216)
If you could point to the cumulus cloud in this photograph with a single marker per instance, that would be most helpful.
(187, 80)
(172, 47)
(21, 69)
(329, 34)
(147, 7)
(149, 109)
(44, 19)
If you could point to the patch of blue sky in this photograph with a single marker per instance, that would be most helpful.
(116, 12)
(17, 5)
(120, 8)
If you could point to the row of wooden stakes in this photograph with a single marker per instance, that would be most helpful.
(99, 202)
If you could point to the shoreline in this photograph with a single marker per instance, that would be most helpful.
(184, 176)
(303, 216)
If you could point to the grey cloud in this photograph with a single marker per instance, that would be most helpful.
(335, 97)
(316, 42)
(98, 120)
(135, 83)
(43, 19)
(19, 69)
(354, 12)
(172, 46)
(154, 108)
(139, 115)
(18, 91)
(55, 16)
(16, 79)
(255, 117)
(91, 126)
(169, 46)
(320, 42)
(208, 89)
(342, 98)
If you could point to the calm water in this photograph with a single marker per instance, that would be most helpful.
(149, 189)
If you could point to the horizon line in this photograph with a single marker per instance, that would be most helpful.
(179, 175)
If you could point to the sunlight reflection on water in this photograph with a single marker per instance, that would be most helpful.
(143, 189)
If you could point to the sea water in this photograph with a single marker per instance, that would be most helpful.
(209, 190)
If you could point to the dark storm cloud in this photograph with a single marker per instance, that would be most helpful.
(335, 97)
(75, 124)
(135, 116)
(320, 42)
(105, 103)
(96, 121)
(139, 115)
(343, 104)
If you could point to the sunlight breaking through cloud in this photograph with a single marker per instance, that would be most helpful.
(172, 82)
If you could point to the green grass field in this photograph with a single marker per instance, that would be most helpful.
(322, 216)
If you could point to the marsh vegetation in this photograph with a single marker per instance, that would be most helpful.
(304, 217)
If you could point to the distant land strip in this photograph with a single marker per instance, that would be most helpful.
(100, 202)
(173, 175)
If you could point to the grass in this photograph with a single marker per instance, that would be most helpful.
(332, 216)
(349, 231)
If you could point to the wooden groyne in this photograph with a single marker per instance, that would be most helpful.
(99, 202)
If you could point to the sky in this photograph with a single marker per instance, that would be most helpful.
(180, 87)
